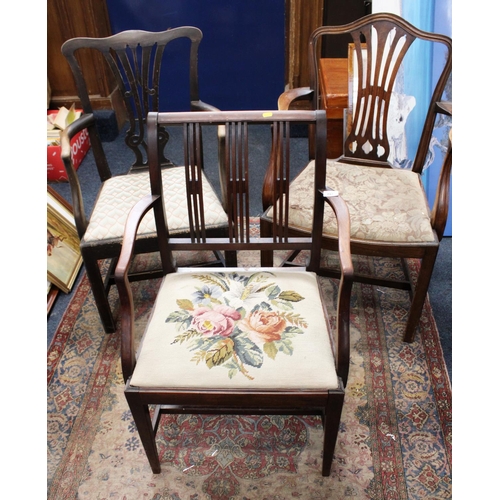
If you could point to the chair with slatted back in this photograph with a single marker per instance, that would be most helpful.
(242, 340)
(135, 60)
(390, 213)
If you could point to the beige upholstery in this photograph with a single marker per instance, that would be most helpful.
(384, 204)
(237, 329)
(120, 193)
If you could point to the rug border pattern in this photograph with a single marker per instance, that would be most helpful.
(386, 457)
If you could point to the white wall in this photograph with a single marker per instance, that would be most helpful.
(393, 6)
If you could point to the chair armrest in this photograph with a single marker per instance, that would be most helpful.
(290, 96)
(285, 100)
(444, 107)
(123, 284)
(341, 212)
(440, 208)
(84, 121)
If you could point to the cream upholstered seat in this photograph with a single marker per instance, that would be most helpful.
(384, 204)
(259, 329)
(237, 340)
(120, 193)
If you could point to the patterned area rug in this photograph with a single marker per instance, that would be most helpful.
(394, 440)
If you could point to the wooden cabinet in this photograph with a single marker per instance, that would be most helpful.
(67, 20)
(302, 18)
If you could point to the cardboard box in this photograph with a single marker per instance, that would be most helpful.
(80, 144)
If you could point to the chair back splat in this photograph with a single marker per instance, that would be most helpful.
(376, 55)
(137, 65)
(246, 339)
(395, 125)
(135, 60)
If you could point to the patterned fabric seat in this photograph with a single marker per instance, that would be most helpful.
(376, 214)
(120, 193)
(258, 329)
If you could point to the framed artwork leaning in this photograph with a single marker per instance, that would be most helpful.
(63, 245)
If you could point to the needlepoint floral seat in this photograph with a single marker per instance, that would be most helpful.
(237, 329)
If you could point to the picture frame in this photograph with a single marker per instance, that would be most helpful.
(64, 258)
(52, 292)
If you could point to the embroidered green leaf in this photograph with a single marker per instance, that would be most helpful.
(181, 316)
(203, 343)
(259, 277)
(285, 346)
(233, 368)
(283, 305)
(263, 306)
(270, 349)
(199, 356)
(263, 288)
(185, 304)
(295, 319)
(290, 296)
(248, 352)
(273, 291)
(213, 279)
(220, 353)
(293, 329)
(248, 290)
(187, 335)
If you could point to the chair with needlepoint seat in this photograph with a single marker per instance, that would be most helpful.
(135, 60)
(241, 340)
(390, 213)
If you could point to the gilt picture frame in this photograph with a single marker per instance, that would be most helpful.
(63, 245)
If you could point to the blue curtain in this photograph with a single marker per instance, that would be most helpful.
(432, 16)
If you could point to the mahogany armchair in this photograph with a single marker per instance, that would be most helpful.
(241, 340)
(390, 213)
(135, 60)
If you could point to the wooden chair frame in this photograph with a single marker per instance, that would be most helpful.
(327, 403)
(371, 117)
(135, 60)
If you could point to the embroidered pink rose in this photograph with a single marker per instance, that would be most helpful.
(263, 326)
(218, 321)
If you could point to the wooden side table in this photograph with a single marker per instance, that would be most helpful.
(333, 88)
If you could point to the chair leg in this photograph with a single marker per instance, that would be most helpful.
(420, 294)
(99, 291)
(142, 419)
(331, 428)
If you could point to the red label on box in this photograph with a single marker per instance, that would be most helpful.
(80, 144)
